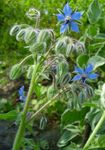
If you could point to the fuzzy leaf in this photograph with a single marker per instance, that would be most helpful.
(82, 60)
(94, 12)
(96, 61)
(70, 116)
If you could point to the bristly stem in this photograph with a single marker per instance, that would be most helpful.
(20, 132)
(47, 104)
(99, 124)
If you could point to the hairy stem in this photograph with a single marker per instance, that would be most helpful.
(102, 119)
(34, 79)
(44, 106)
(20, 132)
(48, 103)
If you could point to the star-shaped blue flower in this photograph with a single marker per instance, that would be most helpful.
(84, 74)
(22, 97)
(69, 17)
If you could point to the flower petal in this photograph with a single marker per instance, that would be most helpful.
(79, 70)
(74, 27)
(92, 76)
(89, 68)
(21, 90)
(63, 28)
(22, 98)
(76, 15)
(60, 17)
(76, 77)
(67, 10)
(21, 94)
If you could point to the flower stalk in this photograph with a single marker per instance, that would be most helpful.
(34, 79)
(99, 124)
(47, 103)
(20, 132)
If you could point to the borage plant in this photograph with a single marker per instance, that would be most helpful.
(57, 60)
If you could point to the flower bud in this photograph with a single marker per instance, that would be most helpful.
(20, 35)
(33, 13)
(43, 122)
(45, 35)
(29, 72)
(14, 30)
(30, 35)
(64, 45)
(15, 72)
(38, 47)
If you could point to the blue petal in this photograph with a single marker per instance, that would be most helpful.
(67, 10)
(76, 15)
(21, 90)
(77, 77)
(60, 17)
(22, 98)
(63, 28)
(89, 69)
(74, 27)
(79, 70)
(92, 76)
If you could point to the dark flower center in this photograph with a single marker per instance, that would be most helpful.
(67, 19)
(84, 76)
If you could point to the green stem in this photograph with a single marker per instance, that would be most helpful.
(102, 119)
(44, 106)
(48, 103)
(20, 132)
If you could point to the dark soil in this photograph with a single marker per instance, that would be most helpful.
(50, 135)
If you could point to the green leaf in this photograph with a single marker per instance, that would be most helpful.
(82, 60)
(38, 90)
(98, 142)
(11, 115)
(65, 138)
(51, 91)
(96, 61)
(96, 47)
(92, 31)
(70, 116)
(94, 12)
(93, 117)
(100, 36)
(72, 146)
(72, 128)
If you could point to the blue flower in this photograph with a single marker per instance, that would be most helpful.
(22, 97)
(69, 17)
(83, 74)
